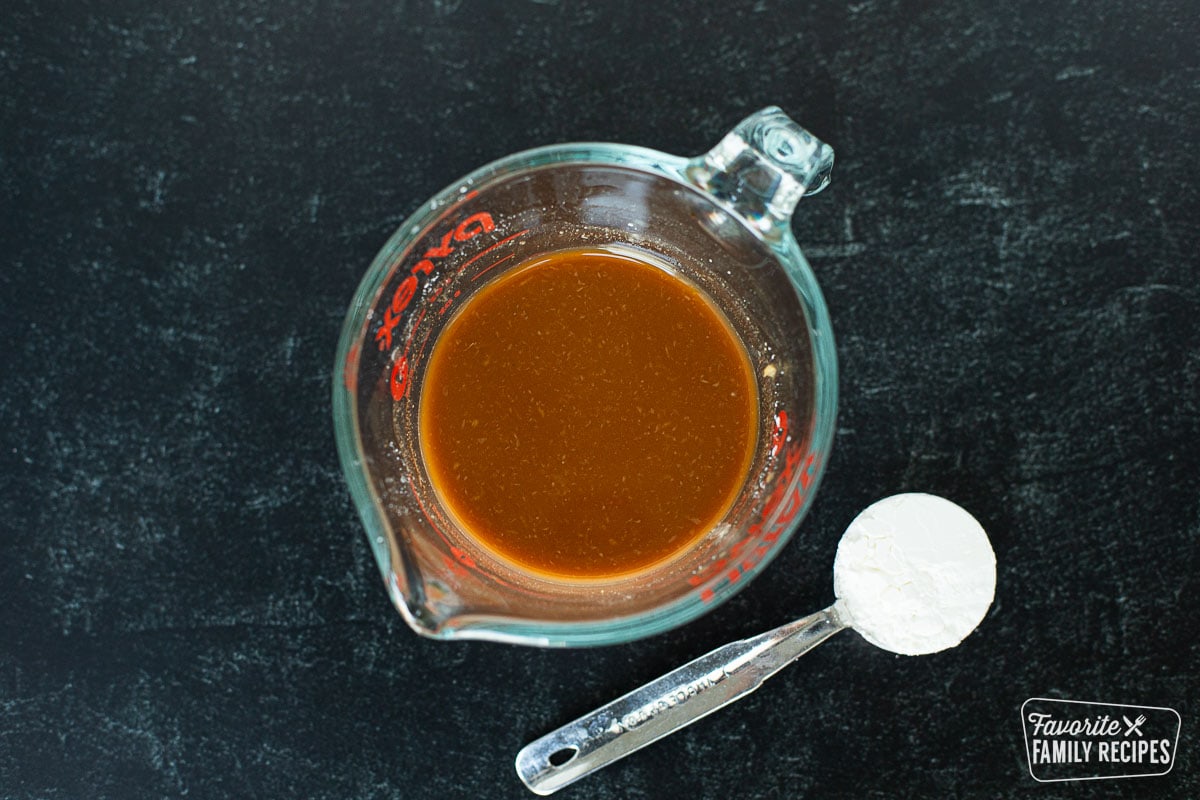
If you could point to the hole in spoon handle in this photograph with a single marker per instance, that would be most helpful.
(667, 704)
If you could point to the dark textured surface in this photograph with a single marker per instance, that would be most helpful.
(188, 197)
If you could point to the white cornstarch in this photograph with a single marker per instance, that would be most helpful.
(914, 574)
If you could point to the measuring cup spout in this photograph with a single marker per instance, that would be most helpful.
(762, 168)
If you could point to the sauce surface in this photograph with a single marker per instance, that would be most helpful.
(588, 414)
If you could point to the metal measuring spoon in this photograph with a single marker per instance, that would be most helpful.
(914, 574)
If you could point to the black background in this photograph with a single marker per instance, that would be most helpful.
(190, 192)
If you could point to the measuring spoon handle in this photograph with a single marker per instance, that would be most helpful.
(669, 703)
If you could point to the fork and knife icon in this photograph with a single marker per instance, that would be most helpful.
(1135, 725)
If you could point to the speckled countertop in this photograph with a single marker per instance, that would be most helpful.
(189, 196)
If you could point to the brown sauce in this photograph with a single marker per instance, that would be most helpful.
(588, 414)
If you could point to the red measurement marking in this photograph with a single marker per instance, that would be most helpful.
(479, 274)
(790, 509)
(463, 556)
(732, 556)
(779, 511)
(398, 380)
(401, 369)
(775, 498)
(454, 566)
(490, 248)
(350, 372)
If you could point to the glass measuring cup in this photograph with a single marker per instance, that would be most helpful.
(721, 221)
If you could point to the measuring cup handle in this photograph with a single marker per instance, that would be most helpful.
(663, 706)
(762, 168)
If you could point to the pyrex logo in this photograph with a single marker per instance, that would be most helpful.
(1071, 740)
(467, 229)
(406, 291)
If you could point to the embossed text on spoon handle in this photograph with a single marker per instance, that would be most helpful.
(669, 703)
